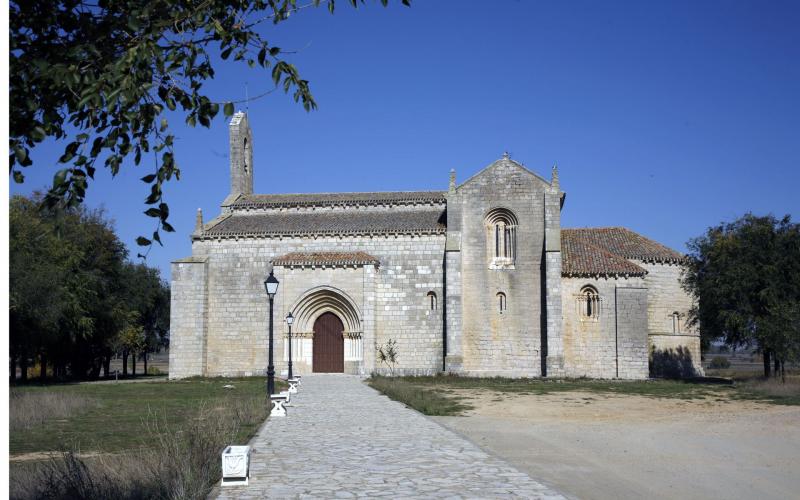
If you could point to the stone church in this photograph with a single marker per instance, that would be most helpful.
(480, 279)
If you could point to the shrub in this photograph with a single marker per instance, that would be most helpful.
(153, 370)
(720, 362)
(387, 354)
(180, 461)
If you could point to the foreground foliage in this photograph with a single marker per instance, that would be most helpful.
(101, 75)
(746, 277)
(137, 440)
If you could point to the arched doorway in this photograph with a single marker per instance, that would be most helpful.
(328, 350)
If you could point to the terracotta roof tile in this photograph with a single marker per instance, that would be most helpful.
(325, 258)
(624, 243)
(579, 258)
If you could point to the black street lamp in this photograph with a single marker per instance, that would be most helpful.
(289, 321)
(271, 284)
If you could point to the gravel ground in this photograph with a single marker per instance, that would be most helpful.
(588, 445)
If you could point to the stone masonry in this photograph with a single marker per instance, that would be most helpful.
(480, 279)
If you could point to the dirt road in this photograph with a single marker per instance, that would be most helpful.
(603, 446)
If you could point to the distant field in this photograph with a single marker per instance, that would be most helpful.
(158, 361)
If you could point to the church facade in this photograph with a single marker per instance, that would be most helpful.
(479, 280)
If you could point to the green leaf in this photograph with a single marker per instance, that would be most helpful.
(153, 212)
(38, 134)
(142, 241)
(228, 109)
(21, 154)
(18, 177)
(149, 178)
(60, 177)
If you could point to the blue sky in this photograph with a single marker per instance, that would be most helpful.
(663, 117)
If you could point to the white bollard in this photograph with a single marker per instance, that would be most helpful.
(235, 465)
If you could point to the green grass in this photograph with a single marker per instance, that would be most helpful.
(426, 400)
(116, 415)
(433, 395)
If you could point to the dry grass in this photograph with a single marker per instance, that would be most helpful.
(180, 461)
(775, 388)
(28, 410)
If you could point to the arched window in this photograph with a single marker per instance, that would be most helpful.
(501, 232)
(501, 302)
(432, 300)
(589, 303)
(676, 322)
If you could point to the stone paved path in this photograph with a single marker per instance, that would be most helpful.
(342, 439)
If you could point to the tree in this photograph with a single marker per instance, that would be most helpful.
(72, 291)
(746, 276)
(39, 266)
(100, 75)
(147, 295)
(132, 340)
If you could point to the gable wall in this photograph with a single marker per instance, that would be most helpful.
(494, 343)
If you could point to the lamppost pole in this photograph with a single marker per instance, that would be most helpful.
(270, 366)
(271, 284)
(289, 321)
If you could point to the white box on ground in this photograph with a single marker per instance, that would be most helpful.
(235, 465)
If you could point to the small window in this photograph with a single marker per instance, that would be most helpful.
(676, 322)
(432, 300)
(501, 302)
(589, 304)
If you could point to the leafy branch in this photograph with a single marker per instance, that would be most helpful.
(101, 75)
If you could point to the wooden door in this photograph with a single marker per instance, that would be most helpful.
(328, 353)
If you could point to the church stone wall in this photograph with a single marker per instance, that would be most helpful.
(507, 343)
(632, 332)
(188, 318)
(666, 298)
(392, 299)
(594, 346)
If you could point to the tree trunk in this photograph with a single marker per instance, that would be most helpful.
(23, 367)
(766, 363)
(106, 365)
(776, 367)
(145, 362)
(125, 363)
(133, 361)
(43, 366)
(12, 375)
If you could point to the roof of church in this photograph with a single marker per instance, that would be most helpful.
(430, 220)
(605, 251)
(325, 258)
(329, 199)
